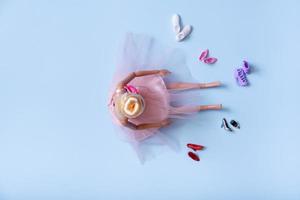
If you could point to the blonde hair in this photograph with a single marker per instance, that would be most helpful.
(130, 105)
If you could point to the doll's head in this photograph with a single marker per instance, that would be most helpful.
(130, 105)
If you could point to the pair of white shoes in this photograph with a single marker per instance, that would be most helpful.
(181, 33)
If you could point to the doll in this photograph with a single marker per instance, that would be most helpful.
(129, 103)
(146, 88)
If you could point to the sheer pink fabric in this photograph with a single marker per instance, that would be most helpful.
(143, 53)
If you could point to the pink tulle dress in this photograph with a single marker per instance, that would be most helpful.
(140, 52)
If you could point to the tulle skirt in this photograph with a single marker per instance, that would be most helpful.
(140, 52)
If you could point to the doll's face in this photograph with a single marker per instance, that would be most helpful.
(129, 105)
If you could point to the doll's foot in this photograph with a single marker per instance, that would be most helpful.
(184, 33)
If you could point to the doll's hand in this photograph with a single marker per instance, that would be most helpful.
(165, 122)
(164, 72)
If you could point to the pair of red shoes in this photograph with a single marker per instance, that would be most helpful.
(195, 147)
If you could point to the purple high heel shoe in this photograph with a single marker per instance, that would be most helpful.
(241, 77)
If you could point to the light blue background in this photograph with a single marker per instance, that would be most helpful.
(56, 137)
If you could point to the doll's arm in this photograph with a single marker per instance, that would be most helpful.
(146, 125)
(132, 75)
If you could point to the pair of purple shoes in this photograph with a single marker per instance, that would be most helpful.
(240, 74)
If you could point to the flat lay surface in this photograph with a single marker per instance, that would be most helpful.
(57, 139)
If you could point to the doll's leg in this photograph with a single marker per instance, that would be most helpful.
(187, 86)
(210, 107)
(193, 109)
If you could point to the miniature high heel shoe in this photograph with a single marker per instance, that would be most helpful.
(176, 23)
(225, 125)
(184, 33)
(241, 77)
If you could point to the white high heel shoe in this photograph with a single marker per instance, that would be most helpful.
(184, 33)
(176, 23)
